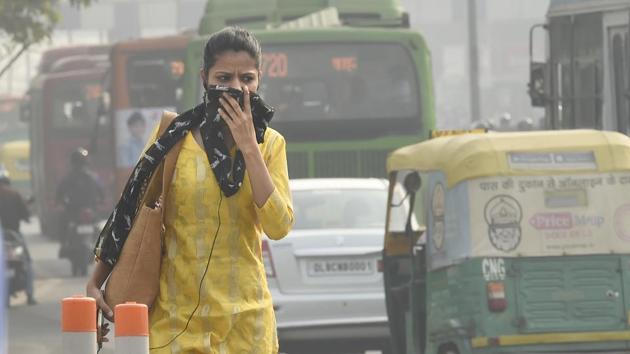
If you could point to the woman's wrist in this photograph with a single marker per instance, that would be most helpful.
(250, 149)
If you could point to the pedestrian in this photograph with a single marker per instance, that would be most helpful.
(213, 295)
(13, 210)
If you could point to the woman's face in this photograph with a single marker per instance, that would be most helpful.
(234, 69)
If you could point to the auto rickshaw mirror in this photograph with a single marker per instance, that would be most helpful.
(412, 182)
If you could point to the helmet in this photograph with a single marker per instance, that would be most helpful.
(79, 157)
(526, 124)
(5, 178)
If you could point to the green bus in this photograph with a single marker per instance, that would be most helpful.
(271, 13)
(345, 95)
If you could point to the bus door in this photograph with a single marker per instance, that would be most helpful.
(69, 114)
(618, 48)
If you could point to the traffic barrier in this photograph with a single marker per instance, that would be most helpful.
(78, 325)
(132, 328)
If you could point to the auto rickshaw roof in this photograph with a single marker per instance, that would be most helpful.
(16, 146)
(468, 156)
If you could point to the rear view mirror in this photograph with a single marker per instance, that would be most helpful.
(536, 86)
(538, 72)
(412, 182)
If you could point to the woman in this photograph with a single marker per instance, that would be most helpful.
(213, 295)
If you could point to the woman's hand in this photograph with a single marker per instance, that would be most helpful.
(97, 294)
(239, 121)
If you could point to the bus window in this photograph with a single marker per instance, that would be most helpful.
(11, 128)
(74, 106)
(154, 80)
(587, 112)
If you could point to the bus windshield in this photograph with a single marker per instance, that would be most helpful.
(75, 105)
(11, 128)
(155, 79)
(339, 81)
(347, 91)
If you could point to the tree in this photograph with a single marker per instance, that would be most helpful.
(27, 22)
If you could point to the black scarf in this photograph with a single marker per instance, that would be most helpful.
(229, 175)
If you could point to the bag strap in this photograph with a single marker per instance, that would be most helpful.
(158, 185)
(171, 157)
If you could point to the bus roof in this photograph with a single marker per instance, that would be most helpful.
(152, 43)
(468, 156)
(51, 56)
(266, 13)
(574, 7)
(334, 35)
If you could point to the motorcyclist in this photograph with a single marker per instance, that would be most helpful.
(78, 191)
(505, 122)
(13, 210)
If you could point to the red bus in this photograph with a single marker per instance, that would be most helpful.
(145, 78)
(118, 98)
(61, 109)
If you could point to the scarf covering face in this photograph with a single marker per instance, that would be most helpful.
(229, 175)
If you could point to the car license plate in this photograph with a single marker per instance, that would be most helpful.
(85, 229)
(340, 267)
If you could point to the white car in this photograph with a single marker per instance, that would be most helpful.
(324, 276)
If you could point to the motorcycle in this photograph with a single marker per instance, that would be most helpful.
(79, 242)
(17, 260)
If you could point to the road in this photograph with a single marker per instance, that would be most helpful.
(36, 329)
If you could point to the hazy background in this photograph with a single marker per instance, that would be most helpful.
(503, 30)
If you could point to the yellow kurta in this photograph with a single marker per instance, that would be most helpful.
(235, 313)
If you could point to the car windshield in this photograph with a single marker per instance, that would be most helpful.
(340, 208)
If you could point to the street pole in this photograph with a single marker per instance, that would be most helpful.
(475, 109)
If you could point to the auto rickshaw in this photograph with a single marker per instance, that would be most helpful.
(15, 156)
(526, 247)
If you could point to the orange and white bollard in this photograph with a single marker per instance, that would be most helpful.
(78, 324)
(132, 328)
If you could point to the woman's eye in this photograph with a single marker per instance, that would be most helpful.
(223, 78)
(248, 79)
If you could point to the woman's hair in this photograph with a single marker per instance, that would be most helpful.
(230, 38)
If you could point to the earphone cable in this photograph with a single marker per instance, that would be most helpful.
(202, 279)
